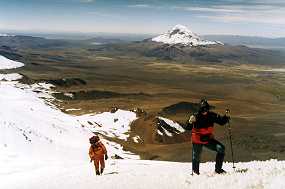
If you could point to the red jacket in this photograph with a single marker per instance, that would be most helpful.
(203, 127)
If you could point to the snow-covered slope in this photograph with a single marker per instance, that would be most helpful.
(130, 174)
(6, 63)
(34, 131)
(28, 123)
(182, 35)
(115, 124)
(10, 77)
(175, 126)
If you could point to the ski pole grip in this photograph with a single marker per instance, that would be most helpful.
(228, 112)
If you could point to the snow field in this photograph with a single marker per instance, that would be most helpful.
(6, 63)
(110, 124)
(142, 174)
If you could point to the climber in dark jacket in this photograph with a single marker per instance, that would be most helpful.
(202, 126)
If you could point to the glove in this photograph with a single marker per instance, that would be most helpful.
(192, 119)
(106, 156)
(228, 114)
(91, 160)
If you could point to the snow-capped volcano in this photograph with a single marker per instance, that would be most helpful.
(5, 35)
(182, 35)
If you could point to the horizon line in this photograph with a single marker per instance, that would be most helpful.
(12, 31)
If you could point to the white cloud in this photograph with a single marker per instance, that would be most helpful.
(87, 1)
(147, 6)
(139, 6)
(262, 13)
(208, 9)
(251, 16)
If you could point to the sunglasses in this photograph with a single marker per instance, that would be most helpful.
(204, 110)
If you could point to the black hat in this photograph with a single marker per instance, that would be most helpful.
(204, 106)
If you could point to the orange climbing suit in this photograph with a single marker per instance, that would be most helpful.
(96, 153)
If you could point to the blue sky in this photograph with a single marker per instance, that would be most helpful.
(239, 17)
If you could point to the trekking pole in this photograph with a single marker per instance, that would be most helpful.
(192, 160)
(230, 138)
(193, 125)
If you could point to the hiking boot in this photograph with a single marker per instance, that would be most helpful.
(195, 173)
(195, 167)
(220, 171)
(97, 173)
(219, 161)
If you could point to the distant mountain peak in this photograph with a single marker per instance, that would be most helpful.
(182, 30)
(180, 34)
(5, 35)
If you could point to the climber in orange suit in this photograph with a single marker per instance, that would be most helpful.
(98, 154)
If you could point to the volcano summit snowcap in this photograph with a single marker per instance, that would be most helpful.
(182, 35)
(5, 35)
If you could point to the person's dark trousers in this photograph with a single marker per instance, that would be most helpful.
(212, 145)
